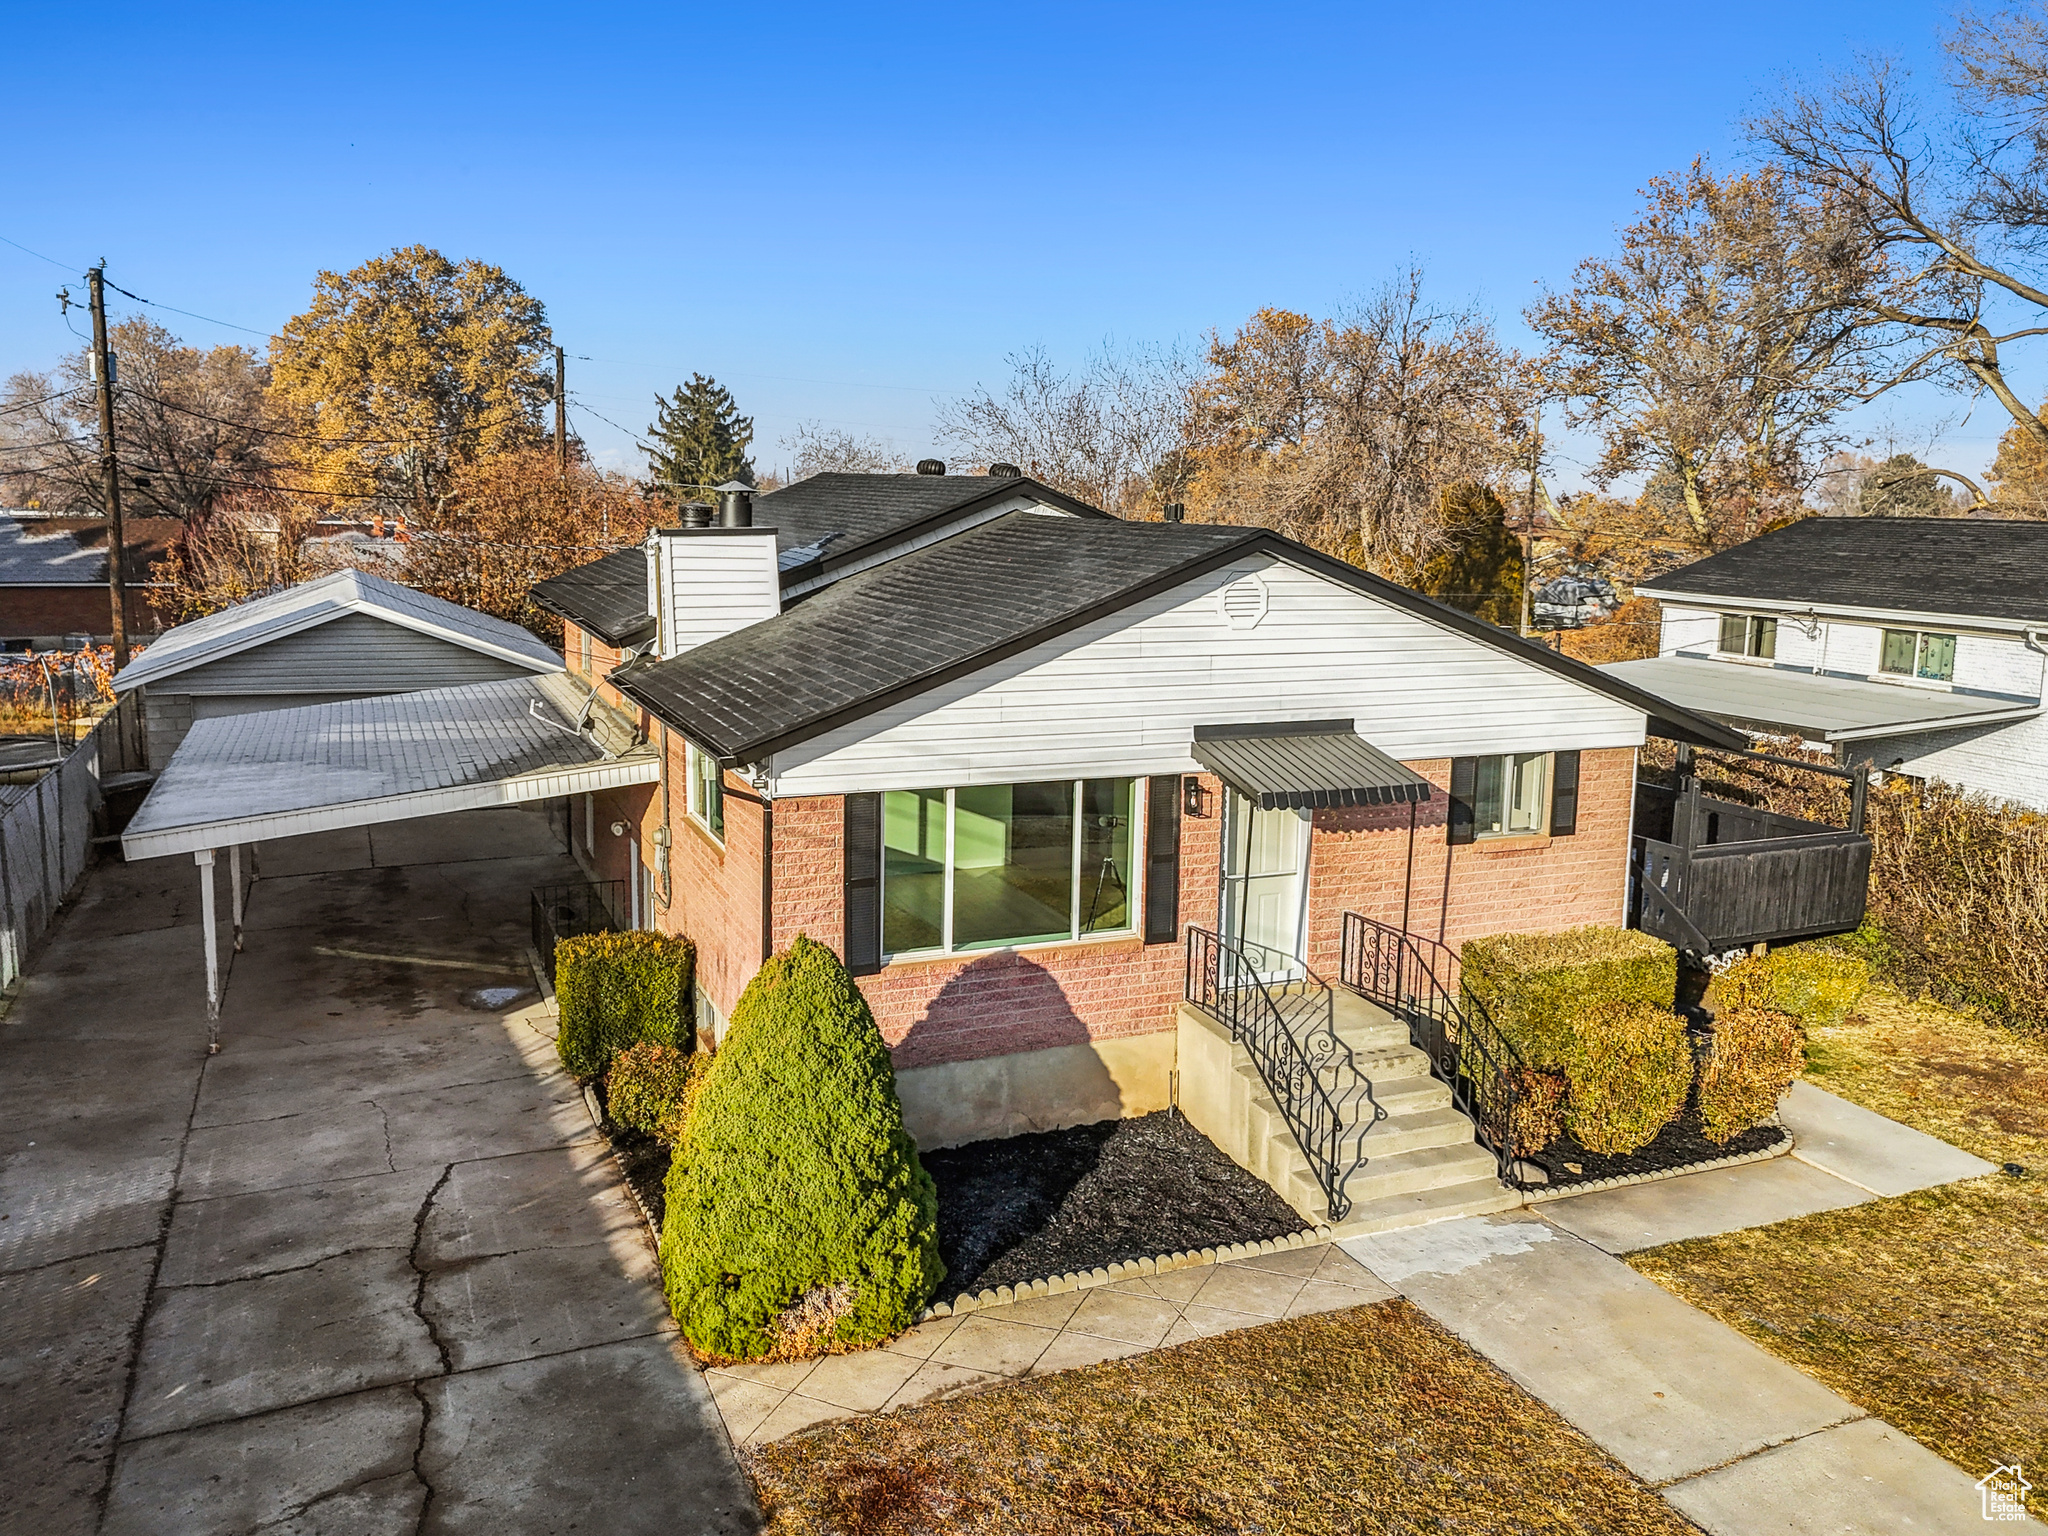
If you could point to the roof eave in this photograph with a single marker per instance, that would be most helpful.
(1842, 610)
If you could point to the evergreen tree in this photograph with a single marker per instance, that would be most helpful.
(699, 440)
(1480, 568)
(1896, 488)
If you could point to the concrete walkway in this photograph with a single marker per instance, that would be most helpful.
(367, 1270)
(1038, 1336)
(1736, 1439)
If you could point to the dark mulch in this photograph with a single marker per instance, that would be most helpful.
(646, 1163)
(1027, 1207)
(1680, 1144)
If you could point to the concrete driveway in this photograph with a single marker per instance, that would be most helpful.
(368, 1269)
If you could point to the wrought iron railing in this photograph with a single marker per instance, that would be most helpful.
(561, 911)
(1283, 1015)
(1418, 980)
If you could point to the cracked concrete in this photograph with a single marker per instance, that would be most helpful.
(367, 1270)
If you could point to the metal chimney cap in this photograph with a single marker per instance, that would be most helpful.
(1005, 472)
(734, 485)
(1174, 512)
(697, 514)
(735, 507)
(931, 466)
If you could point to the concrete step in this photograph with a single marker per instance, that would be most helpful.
(1443, 1126)
(1423, 1168)
(1447, 1202)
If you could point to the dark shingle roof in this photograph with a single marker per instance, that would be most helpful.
(923, 618)
(72, 551)
(608, 597)
(820, 523)
(1965, 566)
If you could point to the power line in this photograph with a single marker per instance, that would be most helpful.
(29, 405)
(39, 256)
(314, 437)
(192, 314)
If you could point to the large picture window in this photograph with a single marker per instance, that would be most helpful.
(1005, 864)
(1915, 653)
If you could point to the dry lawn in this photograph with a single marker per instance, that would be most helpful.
(1370, 1420)
(1930, 1310)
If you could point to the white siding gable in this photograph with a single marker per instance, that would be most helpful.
(1123, 694)
(709, 582)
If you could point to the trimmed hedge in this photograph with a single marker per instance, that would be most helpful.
(617, 989)
(1816, 984)
(1756, 1054)
(799, 1217)
(1590, 1011)
(652, 1088)
(1629, 1076)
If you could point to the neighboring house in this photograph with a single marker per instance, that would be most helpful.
(53, 578)
(1002, 752)
(1917, 645)
(346, 636)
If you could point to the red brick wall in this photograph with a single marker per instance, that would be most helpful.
(82, 610)
(965, 1007)
(1358, 861)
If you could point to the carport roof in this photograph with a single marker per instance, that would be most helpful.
(286, 772)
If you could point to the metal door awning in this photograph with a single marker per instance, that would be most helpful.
(1305, 765)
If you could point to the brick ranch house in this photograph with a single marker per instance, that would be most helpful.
(1002, 751)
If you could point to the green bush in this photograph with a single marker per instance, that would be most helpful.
(616, 989)
(1629, 1076)
(1537, 986)
(799, 1217)
(652, 1087)
(1817, 984)
(1756, 1053)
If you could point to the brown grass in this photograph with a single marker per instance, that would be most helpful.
(1929, 1310)
(1369, 1420)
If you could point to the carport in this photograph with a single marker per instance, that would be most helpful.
(284, 773)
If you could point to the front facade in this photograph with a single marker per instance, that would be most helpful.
(1916, 645)
(1004, 772)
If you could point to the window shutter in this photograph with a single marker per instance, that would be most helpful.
(1162, 859)
(1458, 826)
(863, 884)
(1564, 795)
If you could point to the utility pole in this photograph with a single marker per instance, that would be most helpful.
(1529, 522)
(110, 468)
(561, 420)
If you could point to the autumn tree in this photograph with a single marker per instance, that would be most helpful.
(406, 369)
(250, 542)
(1719, 347)
(699, 440)
(816, 449)
(191, 427)
(1945, 211)
(1109, 433)
(510, 520)
(1354, 433)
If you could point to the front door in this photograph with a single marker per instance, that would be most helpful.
(1264, 855)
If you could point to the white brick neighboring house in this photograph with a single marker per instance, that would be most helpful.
(1919, 645)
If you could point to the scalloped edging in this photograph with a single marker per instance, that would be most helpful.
(1623, 1181)
(1124, 1269)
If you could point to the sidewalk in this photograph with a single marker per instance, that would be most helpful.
(1736, 1439)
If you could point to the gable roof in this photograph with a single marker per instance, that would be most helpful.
(1962, 567)
(822, 525)
(72, 551)
(951, 608)
(313, 603)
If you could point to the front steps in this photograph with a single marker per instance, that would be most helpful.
(1423, 1162)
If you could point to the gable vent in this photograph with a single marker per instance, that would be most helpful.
(1243, 602)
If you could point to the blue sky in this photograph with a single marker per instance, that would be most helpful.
(845, 212)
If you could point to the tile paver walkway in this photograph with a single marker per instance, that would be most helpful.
(1039, 1336)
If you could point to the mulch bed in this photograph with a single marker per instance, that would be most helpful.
(1027, 1207)
(1679, 1145)
(646, 1163)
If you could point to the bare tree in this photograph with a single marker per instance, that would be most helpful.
(817, 449)
(1353, 433)
(1720, 346)
(1949, 216)
(1109, 435)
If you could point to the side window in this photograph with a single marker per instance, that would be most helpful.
(1915, 653)
(1504, 795)
(1747, 635)
(707, 793)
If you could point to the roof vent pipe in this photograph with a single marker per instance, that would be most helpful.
(1005, 472)
(735, 509)
(931, 466)
(1175, 512)
(696, 514)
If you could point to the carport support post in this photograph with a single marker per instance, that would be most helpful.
(204, 859)
(235, 880)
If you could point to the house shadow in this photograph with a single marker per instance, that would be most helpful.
(1000, 1081)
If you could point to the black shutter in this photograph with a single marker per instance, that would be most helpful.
(1458, 825)
(1162, 859)
(863, 884)
(1564, 795)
